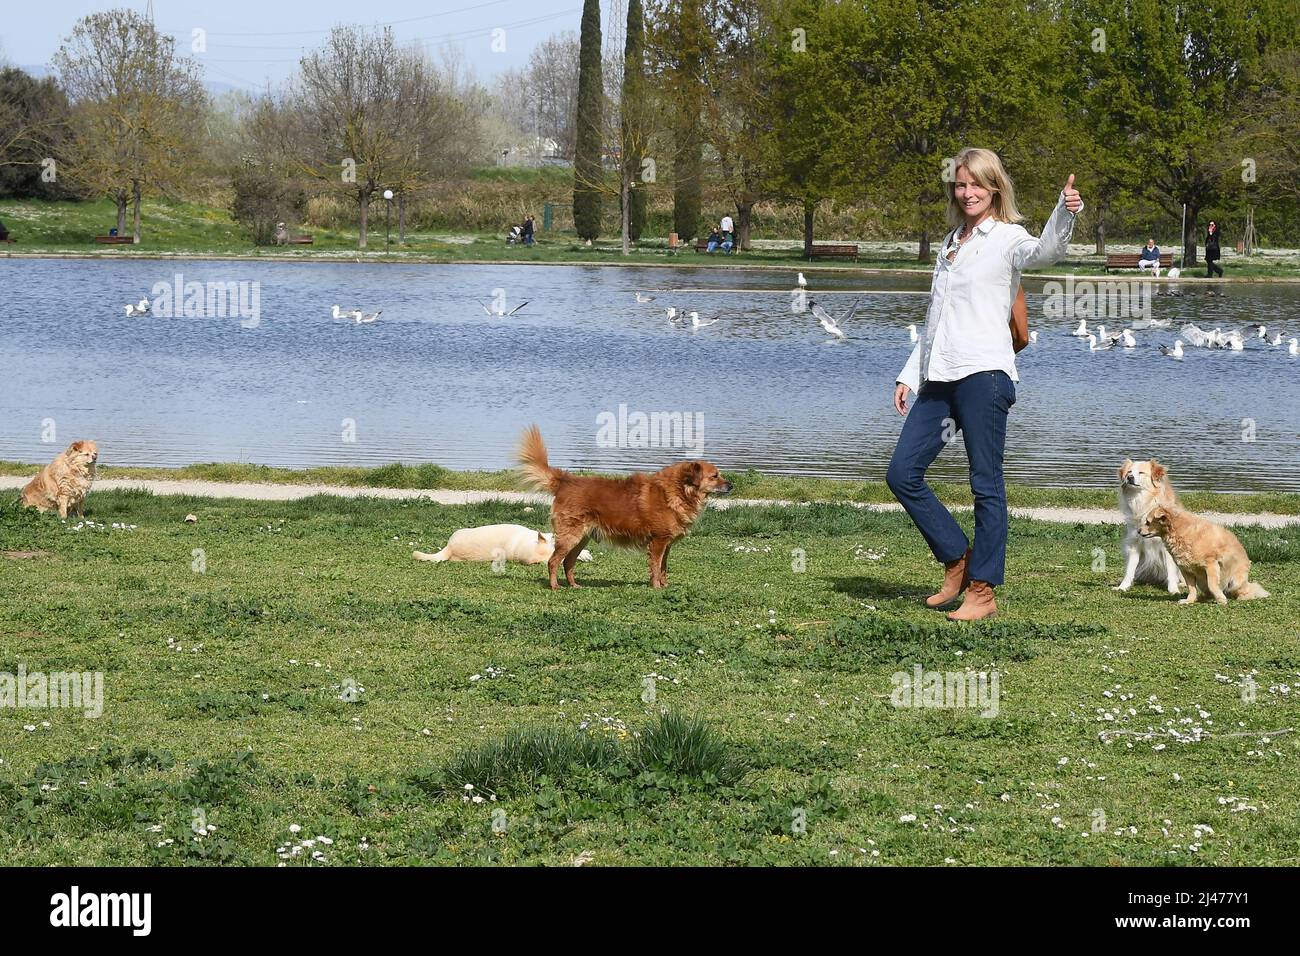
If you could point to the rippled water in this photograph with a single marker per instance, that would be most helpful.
(436, 379)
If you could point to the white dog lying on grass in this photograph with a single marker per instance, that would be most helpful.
(495, 542)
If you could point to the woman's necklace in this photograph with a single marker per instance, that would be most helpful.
(957, 241)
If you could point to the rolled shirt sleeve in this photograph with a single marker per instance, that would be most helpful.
(1030, 253)
(911, 373)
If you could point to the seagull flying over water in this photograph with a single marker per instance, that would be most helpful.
(825, 318)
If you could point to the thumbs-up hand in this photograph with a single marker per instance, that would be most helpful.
(1073, 201)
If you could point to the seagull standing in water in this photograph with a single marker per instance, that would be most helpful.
(1174, 353)
(803, 283)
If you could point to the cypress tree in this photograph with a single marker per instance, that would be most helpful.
(634, 106)
(586, 160)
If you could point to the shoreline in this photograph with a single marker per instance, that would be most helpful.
(406, 259)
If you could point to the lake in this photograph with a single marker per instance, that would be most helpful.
(437, 379)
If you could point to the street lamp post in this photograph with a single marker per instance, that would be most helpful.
(388, 217)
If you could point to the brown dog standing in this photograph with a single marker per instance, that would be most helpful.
(64, 483)
(639, 511)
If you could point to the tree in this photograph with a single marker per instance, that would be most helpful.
(678, 40)
(590, 126)
(137, 109)
(33, 119)
(366, 115)
(737, 111)
(634, 111)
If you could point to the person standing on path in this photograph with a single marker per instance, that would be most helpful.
(963, 371)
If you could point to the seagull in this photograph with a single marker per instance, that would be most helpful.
(1082, 331)
(140, 308)
(1174, 353)
(1260, 330)
(349, 314)
(644, 298)
(1276, 340)
(697, 324)
(803, 283)
(1174, 273)
(1101, 333)
(519, 306)
(1194, 335)
(1033, 336)
(911, 330)
(825, 318)
(1293, 348)
(1126, 338)
(1094, 347)
(672, 314)
(363, 317)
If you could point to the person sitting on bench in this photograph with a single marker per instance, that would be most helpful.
(714, 240)
(1150, 258)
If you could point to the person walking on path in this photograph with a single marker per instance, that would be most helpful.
(1212, 251)
(963, 371)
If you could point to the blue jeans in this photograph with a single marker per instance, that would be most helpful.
(712, 245)
(978, 406)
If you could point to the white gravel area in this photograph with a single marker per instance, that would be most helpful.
(275, 492)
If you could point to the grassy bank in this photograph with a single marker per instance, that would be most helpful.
(287, 665)
(748, 484)
(188, 229)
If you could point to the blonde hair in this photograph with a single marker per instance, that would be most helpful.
(986, 170)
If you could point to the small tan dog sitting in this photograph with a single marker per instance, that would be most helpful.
(497, 542)
(1209, 555)
(64, 483)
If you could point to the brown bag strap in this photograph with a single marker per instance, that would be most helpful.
(1019, 321)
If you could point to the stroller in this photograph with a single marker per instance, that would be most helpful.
(515, 236)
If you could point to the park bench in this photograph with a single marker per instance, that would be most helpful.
(1129, 260)
(115, 240)
(9, 240)
(702, 245)
(847, 250)
(299, 240)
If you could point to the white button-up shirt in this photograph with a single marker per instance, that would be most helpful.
(968, 327)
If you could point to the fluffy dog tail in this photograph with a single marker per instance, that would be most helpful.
(1250, 591)
(532, 462)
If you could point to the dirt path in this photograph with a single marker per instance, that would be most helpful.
(276, 492)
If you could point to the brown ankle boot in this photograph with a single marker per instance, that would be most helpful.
(954, 582)
(978, 604)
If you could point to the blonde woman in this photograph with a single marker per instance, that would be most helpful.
(963, 371)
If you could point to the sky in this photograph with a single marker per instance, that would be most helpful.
(253, 42)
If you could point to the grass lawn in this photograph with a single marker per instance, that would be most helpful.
(172, 228)
(227, 697)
